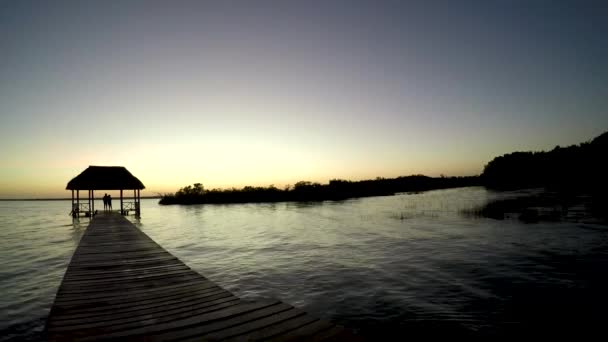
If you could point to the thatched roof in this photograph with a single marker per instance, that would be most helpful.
(105, 178)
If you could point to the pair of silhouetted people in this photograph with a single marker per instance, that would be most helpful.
(107, 202)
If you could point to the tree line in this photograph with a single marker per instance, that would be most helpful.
(336, 189)
(575, 168)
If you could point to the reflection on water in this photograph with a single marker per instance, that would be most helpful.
(408, 264)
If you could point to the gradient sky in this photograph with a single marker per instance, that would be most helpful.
(230, 93)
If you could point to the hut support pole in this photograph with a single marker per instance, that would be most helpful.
(122, 212)
(138, 203)
(135, 201)
(92, 202)
(77, 202)
(73, 212)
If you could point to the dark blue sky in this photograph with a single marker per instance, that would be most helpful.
(260, 92)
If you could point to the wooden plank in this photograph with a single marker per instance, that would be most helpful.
(126, 257)
(123, 272)
(67, 299)
(132, 248)
(115, 312)
(118, 303)
(159, 268)
(124, 263)
(134, 320)
(112, 269)
(159, 279)
(105, 257)
(102, 243)
(154, 326)
(113, 247)
(100, 253)
(82, 281)
(121, 262)
(98, 306)
(206, 328)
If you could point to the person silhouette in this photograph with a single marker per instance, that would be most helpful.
(105, 202)
(110, 202)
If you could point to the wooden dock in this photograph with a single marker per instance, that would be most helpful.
(122, 285)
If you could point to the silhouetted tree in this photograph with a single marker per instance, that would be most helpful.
(574, 168)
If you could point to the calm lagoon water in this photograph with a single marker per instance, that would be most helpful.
(401, 265)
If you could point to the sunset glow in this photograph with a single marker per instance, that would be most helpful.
(233, 94)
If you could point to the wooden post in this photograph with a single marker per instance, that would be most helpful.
(93, 201)
(121, 210)
(138, 208)
(73, 213)
(135, 201)
(78, 202)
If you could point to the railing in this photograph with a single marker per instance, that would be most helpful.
(84, 207)
(130, 206)
(80, 208)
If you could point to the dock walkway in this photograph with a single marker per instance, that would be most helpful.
(122, 285)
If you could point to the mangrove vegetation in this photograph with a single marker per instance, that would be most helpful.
(572, 180)
(335, 190)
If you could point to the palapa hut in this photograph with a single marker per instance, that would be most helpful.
(105, 178)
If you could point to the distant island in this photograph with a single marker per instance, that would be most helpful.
(568, 177)
(335, 190)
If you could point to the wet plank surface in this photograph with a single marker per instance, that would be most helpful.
(122, 285)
